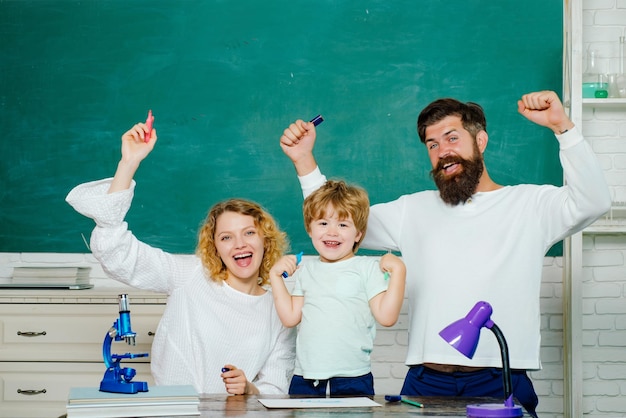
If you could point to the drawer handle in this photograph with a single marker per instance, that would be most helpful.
(31, 392)
(151, 334)
(31, 334)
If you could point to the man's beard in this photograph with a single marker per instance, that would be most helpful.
(459, 187)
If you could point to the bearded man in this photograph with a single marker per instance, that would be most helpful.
(474, 240)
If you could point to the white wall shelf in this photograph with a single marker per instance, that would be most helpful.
(614, 222)
(617, 102)
(605, 229)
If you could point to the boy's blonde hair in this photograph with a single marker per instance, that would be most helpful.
(274, 240)
(347, 201)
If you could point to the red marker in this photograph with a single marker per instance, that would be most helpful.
(149, 122)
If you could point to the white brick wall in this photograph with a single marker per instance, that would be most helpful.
(548, 382)
(604, 255)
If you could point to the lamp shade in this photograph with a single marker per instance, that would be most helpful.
(465, 333)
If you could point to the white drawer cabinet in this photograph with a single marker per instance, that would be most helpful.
(40, 389)
(52, 340)
(69, 332)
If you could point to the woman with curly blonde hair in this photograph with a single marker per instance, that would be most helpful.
(220, 331)
(275, 240)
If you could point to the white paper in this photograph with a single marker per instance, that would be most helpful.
(318, 403)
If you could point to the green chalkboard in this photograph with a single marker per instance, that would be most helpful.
(224, 78)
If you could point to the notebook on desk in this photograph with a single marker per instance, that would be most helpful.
(158, 401)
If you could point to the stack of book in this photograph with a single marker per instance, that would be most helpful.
(33, 276)
(158, 401)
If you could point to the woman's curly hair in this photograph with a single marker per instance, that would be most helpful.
(275, 240)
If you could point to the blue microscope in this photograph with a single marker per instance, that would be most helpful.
(118, 379)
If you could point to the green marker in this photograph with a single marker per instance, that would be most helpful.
(398, 398)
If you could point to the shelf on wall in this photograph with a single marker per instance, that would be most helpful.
(608, 102)
(613, 222)
(601, 228)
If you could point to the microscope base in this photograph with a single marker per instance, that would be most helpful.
(115, 383)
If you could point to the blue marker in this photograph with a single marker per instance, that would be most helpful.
(298, 260)
(225, 369)
(317, 120)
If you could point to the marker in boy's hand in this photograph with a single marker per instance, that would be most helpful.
(298, 260)
(387, 273)
(389, 263)
(149, 122)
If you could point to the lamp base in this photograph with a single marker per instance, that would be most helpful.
(488, 410)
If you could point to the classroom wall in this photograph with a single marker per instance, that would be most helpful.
(604, 266)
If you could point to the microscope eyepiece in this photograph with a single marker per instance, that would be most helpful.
(123, 303)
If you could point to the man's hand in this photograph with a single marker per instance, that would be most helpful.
(544, 108)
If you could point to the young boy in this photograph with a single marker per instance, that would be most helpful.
(338, 297)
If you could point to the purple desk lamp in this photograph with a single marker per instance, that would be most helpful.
(463, 335)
